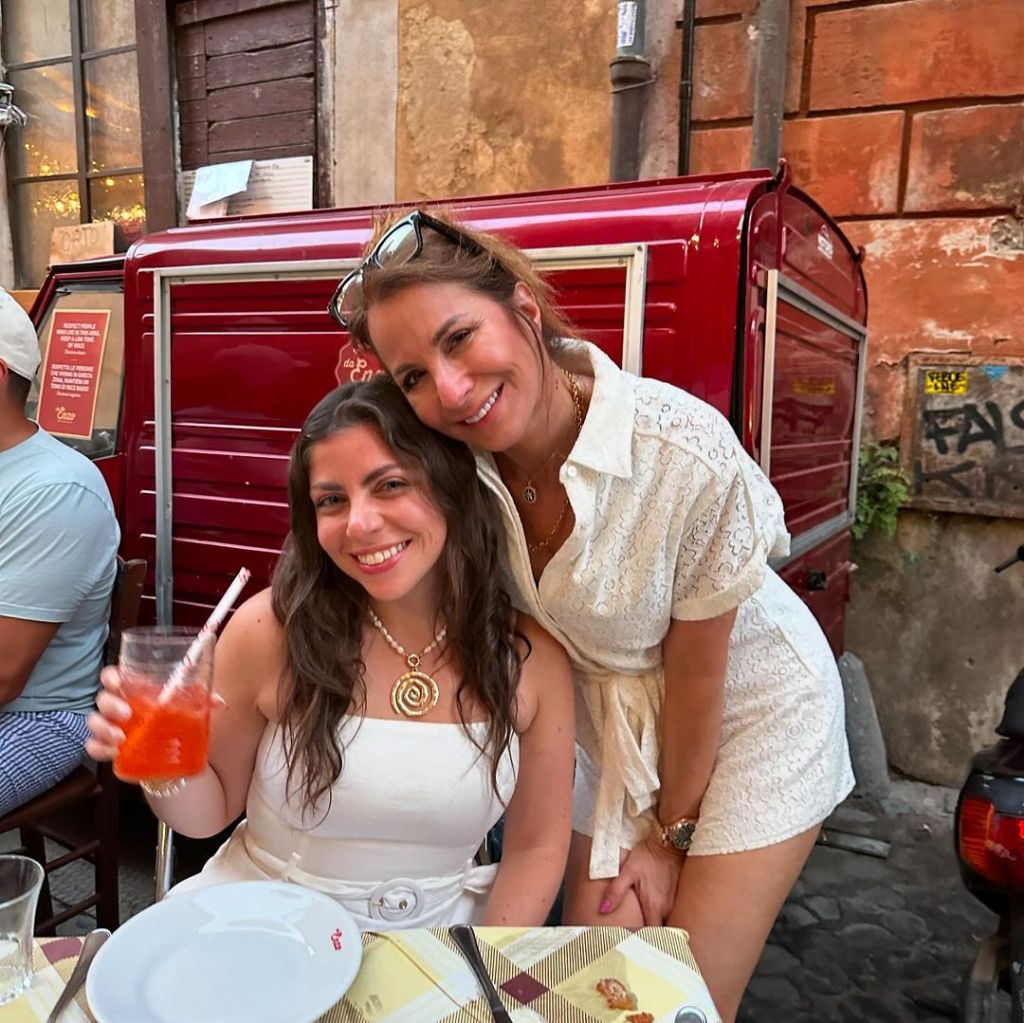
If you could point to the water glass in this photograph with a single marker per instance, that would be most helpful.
(20, 882)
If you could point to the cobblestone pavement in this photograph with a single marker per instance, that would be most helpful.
(882, 940)
(861, 939)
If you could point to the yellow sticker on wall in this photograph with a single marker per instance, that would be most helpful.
(945, 381)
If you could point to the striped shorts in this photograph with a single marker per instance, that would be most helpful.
(37, 750)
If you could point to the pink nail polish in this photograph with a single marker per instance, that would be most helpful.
(605, 906)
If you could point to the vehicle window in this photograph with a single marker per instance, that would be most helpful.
(77, 394)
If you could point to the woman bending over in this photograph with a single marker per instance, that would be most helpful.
(638, 531)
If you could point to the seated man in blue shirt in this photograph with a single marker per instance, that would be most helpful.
(58, 551)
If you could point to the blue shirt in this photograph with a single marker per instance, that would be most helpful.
(58, 561)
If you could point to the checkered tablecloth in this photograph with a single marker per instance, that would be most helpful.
(53, 959)
(544, 975)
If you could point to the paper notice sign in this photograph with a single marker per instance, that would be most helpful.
(74, 354)
(625, 35)
(276, 186)
(214, 184)
(273, 186)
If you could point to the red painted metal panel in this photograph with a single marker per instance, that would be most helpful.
(594, 301)
(828, 566)
(112, 470)
(815, 390)
(817, 256)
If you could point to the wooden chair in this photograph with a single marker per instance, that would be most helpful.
(79, 789)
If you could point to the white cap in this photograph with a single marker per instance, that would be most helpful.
(19, 346)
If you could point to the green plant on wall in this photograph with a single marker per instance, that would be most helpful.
(882, 488)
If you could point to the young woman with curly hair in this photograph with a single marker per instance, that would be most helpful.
(376, 790)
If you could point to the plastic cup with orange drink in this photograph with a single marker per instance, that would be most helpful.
(167, 680)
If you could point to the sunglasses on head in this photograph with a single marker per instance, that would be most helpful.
(400, 244)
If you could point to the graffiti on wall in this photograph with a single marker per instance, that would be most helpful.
(963, 443)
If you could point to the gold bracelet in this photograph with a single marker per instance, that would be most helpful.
(162, 789)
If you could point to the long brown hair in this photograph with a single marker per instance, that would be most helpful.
(324, 612)
(488, 265)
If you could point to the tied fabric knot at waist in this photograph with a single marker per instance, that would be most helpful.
(376, 905)
(623, 711)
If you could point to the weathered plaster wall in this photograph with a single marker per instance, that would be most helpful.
(502, 97)
(940, 635)
(937, 284)
(363, 98)
(659, 135)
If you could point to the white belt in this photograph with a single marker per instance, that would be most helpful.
(628, 759)
(395, 901)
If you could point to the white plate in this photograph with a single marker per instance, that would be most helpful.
(250, 951)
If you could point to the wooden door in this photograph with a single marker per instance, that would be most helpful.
(246, 76)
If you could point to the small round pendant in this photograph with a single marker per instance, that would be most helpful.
(529, 494)
(414, 694)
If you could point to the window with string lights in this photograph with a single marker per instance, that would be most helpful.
(78, 158)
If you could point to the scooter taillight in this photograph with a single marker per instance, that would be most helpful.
(991, 843)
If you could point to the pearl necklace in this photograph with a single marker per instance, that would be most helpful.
(414, 693)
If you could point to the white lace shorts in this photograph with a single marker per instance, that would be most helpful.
(783, 763)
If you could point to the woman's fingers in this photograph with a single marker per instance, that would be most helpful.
(616, 892)
(654, 911)
(105, 737)
(104, 723)
(110, 679)
(99, 752)
(112, 707)
(104, 730)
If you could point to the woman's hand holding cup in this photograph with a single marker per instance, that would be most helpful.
(104, 723)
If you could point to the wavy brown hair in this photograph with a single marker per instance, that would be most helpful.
(488, 265)
(324, 612)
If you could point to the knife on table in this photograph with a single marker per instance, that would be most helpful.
(464, 937)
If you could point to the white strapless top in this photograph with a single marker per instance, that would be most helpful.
(414, 800)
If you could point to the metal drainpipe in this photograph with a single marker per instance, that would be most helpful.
(772, 27)
(686, 85)
(630, 75)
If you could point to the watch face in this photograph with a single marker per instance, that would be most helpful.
(682, 836)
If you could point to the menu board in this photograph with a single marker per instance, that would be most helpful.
(70, 379)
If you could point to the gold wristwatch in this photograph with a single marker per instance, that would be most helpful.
(679, 834)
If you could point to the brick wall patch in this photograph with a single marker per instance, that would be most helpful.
(967, 158)
(896, 53)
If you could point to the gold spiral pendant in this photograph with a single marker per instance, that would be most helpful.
(415, 693)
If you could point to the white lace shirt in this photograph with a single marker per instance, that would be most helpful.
(673, 520)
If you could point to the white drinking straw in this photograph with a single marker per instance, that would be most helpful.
(213, 623)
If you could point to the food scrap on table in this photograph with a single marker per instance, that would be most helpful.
(616, 995)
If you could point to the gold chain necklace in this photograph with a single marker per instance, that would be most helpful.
(577, 406)
(414, 693)
(529, 493)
